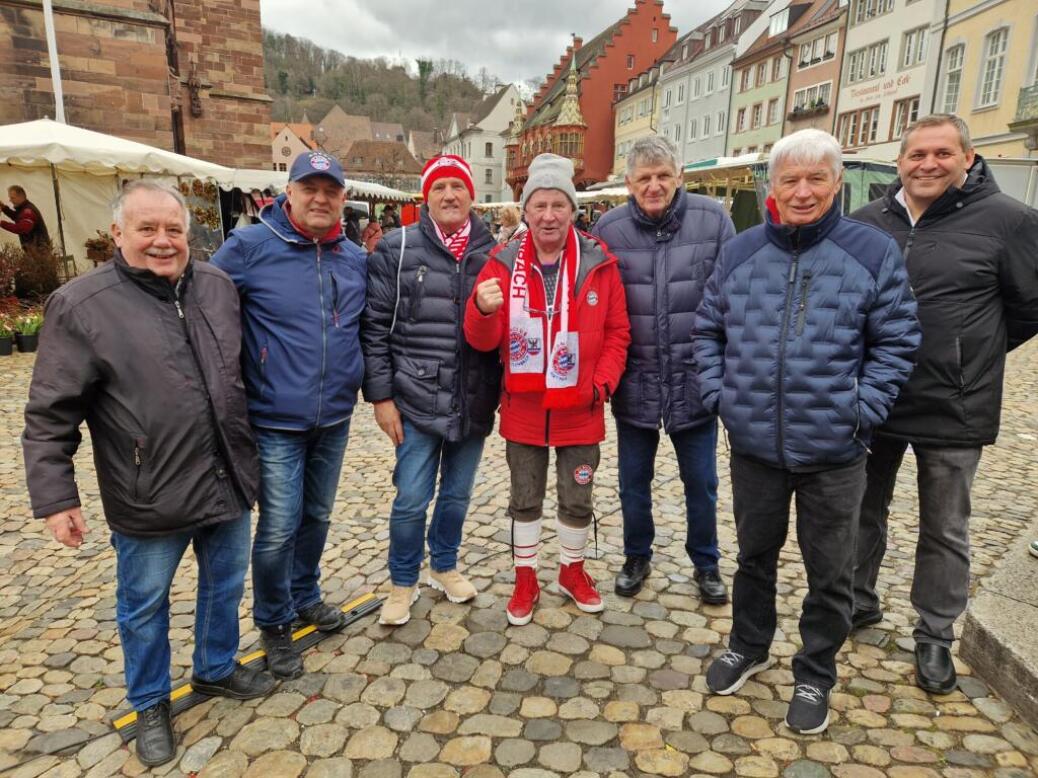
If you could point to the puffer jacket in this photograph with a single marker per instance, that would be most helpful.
(597, 313)
(301, 306)
(973, 261)
(664, 264)
(438, 382)
(804, 338)
(154, 371)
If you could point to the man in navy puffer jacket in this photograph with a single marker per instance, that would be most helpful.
(667, 242)
(806, 333)
(302, 287)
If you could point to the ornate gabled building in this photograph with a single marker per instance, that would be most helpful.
(572, 113)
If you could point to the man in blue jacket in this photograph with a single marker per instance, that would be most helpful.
(302, 292)
(806, 333)
(667, 242)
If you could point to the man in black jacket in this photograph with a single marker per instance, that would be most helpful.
(972, 258)
(434, 395)
(145, 349)
(26, 220)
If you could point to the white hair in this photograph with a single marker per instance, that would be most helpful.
(806, 147)
(143, 184)
(652, 150)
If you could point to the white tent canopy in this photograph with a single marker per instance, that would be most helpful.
(247, 180)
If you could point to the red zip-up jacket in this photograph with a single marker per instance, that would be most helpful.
(598, 313)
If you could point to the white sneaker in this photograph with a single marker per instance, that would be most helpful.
(396, 610)
(453, 584)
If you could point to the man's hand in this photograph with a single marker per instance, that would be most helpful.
(489, 296)
(68, 527)
(388, 419)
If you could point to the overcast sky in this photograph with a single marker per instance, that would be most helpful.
(514, 40)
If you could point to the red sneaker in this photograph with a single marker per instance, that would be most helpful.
(577, 584)
(527, 593)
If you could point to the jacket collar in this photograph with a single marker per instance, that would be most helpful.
(275, 219)
(980, 183)
(806, 235)
(668, 224)
(156, 286)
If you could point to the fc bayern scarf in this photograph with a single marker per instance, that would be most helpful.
(530, 326)
(457, 241)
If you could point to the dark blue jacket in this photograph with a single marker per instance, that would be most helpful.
(301, 302)
(804, 338)
(664, 265)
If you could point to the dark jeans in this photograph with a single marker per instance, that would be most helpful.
(827, 504)
(144, 571)
(696, 451)
(299, 477)
(418, 459)
(575, 467)
(940, 587)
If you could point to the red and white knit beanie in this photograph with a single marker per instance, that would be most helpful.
(447, 166)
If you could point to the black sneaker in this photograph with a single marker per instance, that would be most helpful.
(862, 619)
(712, 590)
(326, 618)
(283, 661)
(808, 712)
(243, 683)
(155, 742)
(730, 671)
(632, 575)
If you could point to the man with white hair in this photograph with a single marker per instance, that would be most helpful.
(145, 349)
(806, 332)
(667, 242)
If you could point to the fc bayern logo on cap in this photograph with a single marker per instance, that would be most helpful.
(320, 162)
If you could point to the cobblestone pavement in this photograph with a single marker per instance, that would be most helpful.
(458, 692)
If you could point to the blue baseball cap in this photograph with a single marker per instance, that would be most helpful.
(317, 163)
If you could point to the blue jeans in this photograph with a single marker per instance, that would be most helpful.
(299, 475)
(696, 451)
(144, 572)
(418, 459)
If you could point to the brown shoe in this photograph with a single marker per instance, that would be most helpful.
(396, 610)
(453, 584)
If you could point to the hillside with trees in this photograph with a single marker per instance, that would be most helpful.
(304, 77)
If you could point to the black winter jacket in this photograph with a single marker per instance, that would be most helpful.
(438, 382)
(665, 266)
(973, 262)
(154, 371)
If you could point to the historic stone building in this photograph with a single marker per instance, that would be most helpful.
(183, 75)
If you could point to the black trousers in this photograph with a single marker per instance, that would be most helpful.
(828, 502)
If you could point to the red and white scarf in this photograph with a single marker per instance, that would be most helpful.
(530, 327)
(457, 241)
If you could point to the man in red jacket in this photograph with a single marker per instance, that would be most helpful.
(563, 360)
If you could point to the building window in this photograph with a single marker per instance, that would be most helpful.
(619, 90)
(776, 68)
(706, 125)
(710, 82)
(821, 49)
(905, 112)
(666, 98)
(693, 130)
(655, 35)
(488, 150)
(867, 63)
(488, 198)
(858, 128)
(762, 73)
(744, 79)
(726, 75)
(720, 122)
(779, 22)
(751, 149)
(738, 25)
(755, 115)
(767, 147)
(870, 9)
(953, 77)
(568, 144)
(816, 96)
(630, 62)
(993, 67)
(773, 116)
(913, 47)
(697, 87)
(681, 94)
(740, 120)
(677, 132)
(684, 51)
(736, 152)
(488, 176)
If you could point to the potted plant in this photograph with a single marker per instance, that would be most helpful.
(99, 249)
(6, 336)
(27, 332)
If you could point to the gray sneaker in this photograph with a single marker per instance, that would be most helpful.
(808, 712)
(730, 671)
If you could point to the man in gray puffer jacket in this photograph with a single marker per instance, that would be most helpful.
(667, 242)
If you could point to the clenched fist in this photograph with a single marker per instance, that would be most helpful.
(489, 296)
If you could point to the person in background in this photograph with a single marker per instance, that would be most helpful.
(509, 223)
(351, 226)
(26, 220)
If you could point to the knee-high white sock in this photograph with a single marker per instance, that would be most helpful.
(572, 543)
(526, 540)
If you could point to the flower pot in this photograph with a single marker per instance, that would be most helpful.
(27, 343)
(6, 346)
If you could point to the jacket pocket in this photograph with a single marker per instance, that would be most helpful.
(140, 488)
(418, 294)
(417, 383)
(264, 355)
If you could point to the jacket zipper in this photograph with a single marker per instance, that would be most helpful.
(459, 379)
(802, 313)
(335, 301)
(784, 334)
(138, 462)
(958, 362)
(549, 315)
(908, 243)
(324, 334)
(419, 291)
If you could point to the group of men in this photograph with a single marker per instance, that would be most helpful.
(208, 387)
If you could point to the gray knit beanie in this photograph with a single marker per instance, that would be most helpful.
(550, 171)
